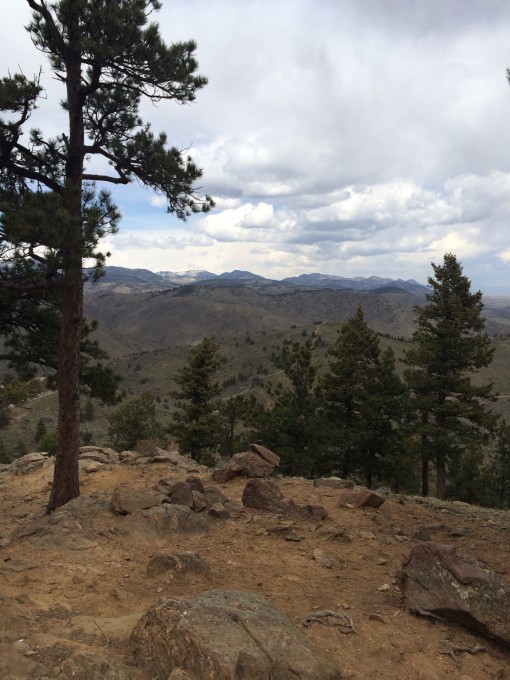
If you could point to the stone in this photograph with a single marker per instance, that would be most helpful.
(180, 493)
(266, 454)
(256, 462)
(324, 560)
(436, 579)
(182, 566)
(263, 494)
(97, 456)
(195, 483)
(332, 532)
(218, 511)
(226, 635)
(214, 495)
(126, 502)
(155, 524)
(90, 466)
(199, 501)
(360, 499)
(333, 483)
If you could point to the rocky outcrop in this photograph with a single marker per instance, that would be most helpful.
(256, 462)
(264, 494)
(436, 580)
(226, 635)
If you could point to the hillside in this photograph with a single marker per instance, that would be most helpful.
(149, 321)
(75, 584)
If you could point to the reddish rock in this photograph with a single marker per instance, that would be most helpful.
(263, 494)
(257, 462)
(199, 501)
(360, 499)
(266, 454)
(218, 511)
(195, 483)
(180, 493)
(226, 635)
(436, 579)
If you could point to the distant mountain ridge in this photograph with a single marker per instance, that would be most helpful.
(139, 280)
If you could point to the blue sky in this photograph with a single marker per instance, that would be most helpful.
(348, 137)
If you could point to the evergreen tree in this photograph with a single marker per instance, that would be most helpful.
(108, 59)
(40, 430)
(449, 346)
(198, 425)
(362, 398)
(291, 426)
(133, 421)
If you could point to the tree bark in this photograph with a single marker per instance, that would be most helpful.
(441, 479)
(66, 484)
(425, 477)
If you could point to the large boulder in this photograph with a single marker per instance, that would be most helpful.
(360, 499)
(435, 579)
(265, 494)
(256, 462)
(226, 635)
(157, 523)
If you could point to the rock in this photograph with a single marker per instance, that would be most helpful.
(334, 483)
(334, 533)
(360, 499)
(90, 466)
(214, 495)
(159, 522)
(199, 501)
(128, 456)
(263, 494)
(182, 566)
(29, 462)
(458, 532)
(96, 456)
(126, 502)
(266, 454)
(436, 579)
(256, 462)
(375, 616)
(226, 635)
(195, 483)
(180, 493)
(218, 511)
(325, 560)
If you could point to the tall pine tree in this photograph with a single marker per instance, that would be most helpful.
(108, 59)
(449, 346)
(362, 397)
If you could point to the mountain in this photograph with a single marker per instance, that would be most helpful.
(127, 280)
(357, 283)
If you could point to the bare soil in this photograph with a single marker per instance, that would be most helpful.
(57, 600)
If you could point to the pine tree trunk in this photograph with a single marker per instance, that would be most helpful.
(66, 475)
(425, 477)
(441, 479)
(66, 484)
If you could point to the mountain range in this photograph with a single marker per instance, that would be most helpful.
(138, 280)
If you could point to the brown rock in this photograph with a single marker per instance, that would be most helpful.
(360, 499)
(126, 502)
(325, 560)
(182, 566)
(263, 494)
(218, 511)
(214, 495)
(195, 483)
(436, 579)
(180, 493)
(154, 524)
(199, 501)
(266, 454)
(226, 635)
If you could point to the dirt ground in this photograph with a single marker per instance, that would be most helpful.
(87, 593)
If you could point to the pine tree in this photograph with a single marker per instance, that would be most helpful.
(133, 421)
(108, 59)
(449, 346)
(362, 398)
(291, 426)
(197, 424)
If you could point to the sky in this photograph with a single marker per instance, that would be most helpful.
(346, 137)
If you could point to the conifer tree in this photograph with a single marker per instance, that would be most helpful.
(292, 426)
(449, 346)
(362, 398)
(108, 59)
(197, 424)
